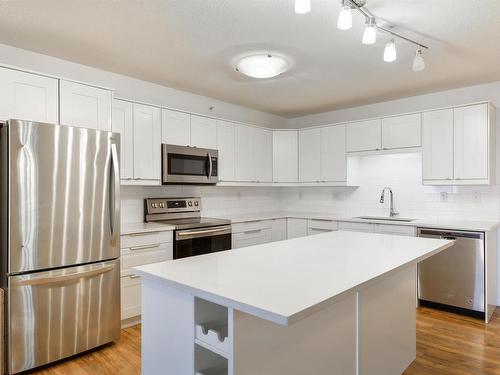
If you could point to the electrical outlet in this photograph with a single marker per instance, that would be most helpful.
(300, 195)
(444, 196)
(477, 196)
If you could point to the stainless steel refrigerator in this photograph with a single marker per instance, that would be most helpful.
(60, 247)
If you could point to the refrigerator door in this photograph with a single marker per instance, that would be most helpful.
(56, 314)
(64, 186)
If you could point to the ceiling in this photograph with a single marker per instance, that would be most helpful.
(191, 45)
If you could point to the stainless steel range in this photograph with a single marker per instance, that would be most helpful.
(193, 234)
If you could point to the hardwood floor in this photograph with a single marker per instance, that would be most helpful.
(447, 344)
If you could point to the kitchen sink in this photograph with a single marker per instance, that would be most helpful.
(385, 218)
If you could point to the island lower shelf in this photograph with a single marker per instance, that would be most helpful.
(369, 331)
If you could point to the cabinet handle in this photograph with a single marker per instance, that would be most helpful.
(145, 247)
(134, 276)
(252, 231)
(143, 234)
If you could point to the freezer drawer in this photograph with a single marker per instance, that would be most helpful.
(455, 276)
(59, 313)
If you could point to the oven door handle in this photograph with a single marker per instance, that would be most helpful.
(188, 234)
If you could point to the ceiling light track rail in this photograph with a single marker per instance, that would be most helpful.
(369, 16)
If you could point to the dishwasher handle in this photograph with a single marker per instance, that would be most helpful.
(448, 234)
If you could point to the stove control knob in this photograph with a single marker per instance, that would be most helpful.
(162, 205)
(153, 205)
(190, 203)
(196, 203)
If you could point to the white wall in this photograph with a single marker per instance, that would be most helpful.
(134, 89)
(470, 94)
(216, 201)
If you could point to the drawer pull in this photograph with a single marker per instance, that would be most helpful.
(134, 276)
(252, 231)
(145, 247)
(143, 234)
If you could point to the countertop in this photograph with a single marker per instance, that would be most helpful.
(288, 280)
(134, 228)
(454, 224)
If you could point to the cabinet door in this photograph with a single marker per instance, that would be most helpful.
(244, 166)
(400, 230)
(310, 155)
(333, 154)
(401, 131)
(279, 230)
(296, 228)
(225, 145)
(147, 142)
(123, 123)
(26, 96)
(356, 227)
(364, 136)
(263, 155)
(85, 106)
(471, 142)
(175, 127)
(203, 132)
(437, 142)
(285, 156)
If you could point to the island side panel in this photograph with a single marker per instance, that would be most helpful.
(491, 274)
(167, 330)
(387, 324)
(322, 343)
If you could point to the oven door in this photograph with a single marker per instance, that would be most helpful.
(189, 165)
(191, 242)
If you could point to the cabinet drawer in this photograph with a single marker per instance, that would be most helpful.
(323, 224)
(250, 226)
(403, 230)
(356, 227)
(138, 256)
(143, 239)
(130, 296)
(250, 238)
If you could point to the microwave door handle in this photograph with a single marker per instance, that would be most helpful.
(209, 165)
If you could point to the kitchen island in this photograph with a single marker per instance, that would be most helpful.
(335, 303)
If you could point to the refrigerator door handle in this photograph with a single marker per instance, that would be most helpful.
(114, 196)
(43, 280)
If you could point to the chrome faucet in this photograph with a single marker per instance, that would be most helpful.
(391, 213)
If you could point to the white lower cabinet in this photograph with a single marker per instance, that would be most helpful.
(279, 229)
(252, 233)
(355, 226)
(401, 230)
(315, 226)
(138, 250)
(296, 228)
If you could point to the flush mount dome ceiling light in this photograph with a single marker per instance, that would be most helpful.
(262, 65)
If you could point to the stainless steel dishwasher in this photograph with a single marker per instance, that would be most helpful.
(453, 279)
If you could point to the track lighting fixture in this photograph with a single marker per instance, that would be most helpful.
(345, 17)
(370, 33)
(390, 53)
(418, 61)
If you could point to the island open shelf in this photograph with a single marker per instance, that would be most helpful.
(347, 312)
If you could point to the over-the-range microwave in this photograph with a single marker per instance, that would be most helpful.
(189, 165)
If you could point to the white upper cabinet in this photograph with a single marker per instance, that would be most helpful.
(263, 155)
(310, 155)
(333, 154)
(123, 123)
(253, 154)
(147, 142)
(244, 153)
(471, 146)
(285, 156)
(459, 146)
(203, 132)
(26, 96)
(364, 136)
(225, 145)
(85, 106)
(437, 142)
(175, 127)
(401, 131)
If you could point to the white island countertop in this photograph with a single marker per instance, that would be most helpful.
(288, 280)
